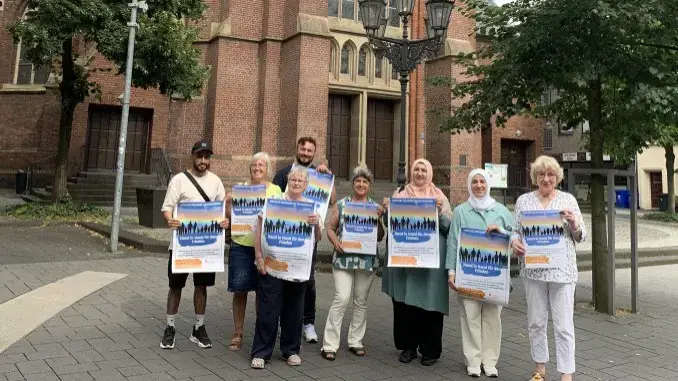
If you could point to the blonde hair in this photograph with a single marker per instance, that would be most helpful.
(545, 163)
(267, 160)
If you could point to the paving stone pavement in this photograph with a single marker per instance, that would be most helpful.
(113, 334)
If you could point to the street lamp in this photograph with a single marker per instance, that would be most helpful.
(405, 54)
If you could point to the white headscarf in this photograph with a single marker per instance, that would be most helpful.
(486, 202)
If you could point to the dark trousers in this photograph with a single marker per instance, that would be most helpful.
(415, 328)
(283, 301)
(309, 298)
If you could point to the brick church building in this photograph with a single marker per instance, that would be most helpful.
(278, 72)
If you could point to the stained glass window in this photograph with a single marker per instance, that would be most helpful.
(348, 9)
(345, 59)
(378, 66)
(362, 61)
(333, 8)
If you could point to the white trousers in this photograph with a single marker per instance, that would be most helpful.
(346, 281)
(480, 332)
(558, 298)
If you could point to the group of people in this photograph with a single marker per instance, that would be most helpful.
(420, 297)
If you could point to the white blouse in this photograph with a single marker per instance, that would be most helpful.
(563, 200)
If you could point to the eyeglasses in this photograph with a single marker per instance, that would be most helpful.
(544, 175)
(297, 181)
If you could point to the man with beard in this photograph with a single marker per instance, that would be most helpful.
(306, 147)
(197, 184)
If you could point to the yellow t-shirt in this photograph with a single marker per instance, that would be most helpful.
(272, 190)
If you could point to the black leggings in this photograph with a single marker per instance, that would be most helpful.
(415, 328)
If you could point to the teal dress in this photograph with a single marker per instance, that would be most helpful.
(423, 288)
(352, 261)
(467, 217)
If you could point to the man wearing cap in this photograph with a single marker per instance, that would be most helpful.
(306, 148)
(182, 189)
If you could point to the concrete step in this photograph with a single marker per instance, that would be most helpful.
(42, 193)
(33, 199)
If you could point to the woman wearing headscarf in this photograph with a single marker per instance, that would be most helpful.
(480, 322)
(420, 296)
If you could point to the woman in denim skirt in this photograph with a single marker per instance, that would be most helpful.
(242, 273)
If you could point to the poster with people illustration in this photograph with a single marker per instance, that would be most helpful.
(361, 222)
(287, 239)
(483, 266)
(246, 204)
(319, 190)
(413, 233)
(544, 236)
(198, 243)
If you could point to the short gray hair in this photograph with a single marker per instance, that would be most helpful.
(296, 170)
(545, 163)
(364, 172)
(267, 160)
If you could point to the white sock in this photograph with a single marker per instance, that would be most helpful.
(199, 320)
(170, 320)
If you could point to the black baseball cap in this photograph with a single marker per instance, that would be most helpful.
(203, 145)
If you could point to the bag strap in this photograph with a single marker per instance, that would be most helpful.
(197, 186)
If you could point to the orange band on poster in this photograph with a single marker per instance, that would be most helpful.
(241, 228)
(471, 292)
(351, 245)
(537, 260)
(187, 263)
(275, 264)
(404, 261)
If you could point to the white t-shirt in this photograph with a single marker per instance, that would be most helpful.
(181, 189)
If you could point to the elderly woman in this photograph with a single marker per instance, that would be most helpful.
(242, 273)
(281, 299)
(550, 289)
(420, 296)
(480, 322)
(351, 273)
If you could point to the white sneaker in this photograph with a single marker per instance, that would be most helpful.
(309, 333)
(491, 371)
(473, 371)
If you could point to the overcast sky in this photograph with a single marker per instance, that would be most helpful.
(500, 2)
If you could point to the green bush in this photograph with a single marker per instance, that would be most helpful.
(61, 211)
(662, 217)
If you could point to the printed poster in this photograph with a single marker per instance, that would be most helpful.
(498, 175)
(319, 190)
(413, 233)
(246, 204)
(287, 239)
(198, 243)
(361, 226)
(544, 236)
(483, 266)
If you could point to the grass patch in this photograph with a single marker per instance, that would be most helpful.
(67, 210)
(662, 217)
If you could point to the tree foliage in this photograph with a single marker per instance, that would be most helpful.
(66, 34)
(612, 62)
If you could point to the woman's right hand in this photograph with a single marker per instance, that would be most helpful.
(518, 247)
(259, 262)
(173, 224)
(338, 248)
(450, 280)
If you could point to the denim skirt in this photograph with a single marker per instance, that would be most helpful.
(242, 273)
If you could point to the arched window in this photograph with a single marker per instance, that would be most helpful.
(394, 73)
(333, 56)
(362, 61)
(378, 66)
(25, 73)
(346, 59)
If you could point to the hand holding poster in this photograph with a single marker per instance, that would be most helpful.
(287, 239)
(413, 233)
(198, 243)
(319, 190)
(544, 235)
(483, 266)
(361, 221)
(246, 204)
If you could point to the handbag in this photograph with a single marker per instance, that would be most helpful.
(227, 232)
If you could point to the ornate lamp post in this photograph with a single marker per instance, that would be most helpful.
(405, 54)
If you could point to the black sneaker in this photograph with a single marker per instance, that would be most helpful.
(406, 356)
(199, 336)
(168, 338)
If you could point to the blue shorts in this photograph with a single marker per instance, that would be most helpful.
(242, 273)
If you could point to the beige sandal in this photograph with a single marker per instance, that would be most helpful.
(236, 342)
(257, 363)
(294, 360)
(538, 377)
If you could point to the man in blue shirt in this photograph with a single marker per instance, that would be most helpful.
(306, 148)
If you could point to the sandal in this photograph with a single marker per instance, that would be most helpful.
(293, 360)
(236, 342)
(257, 363)
(358, 351)
(538, 377)
(328, 355)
